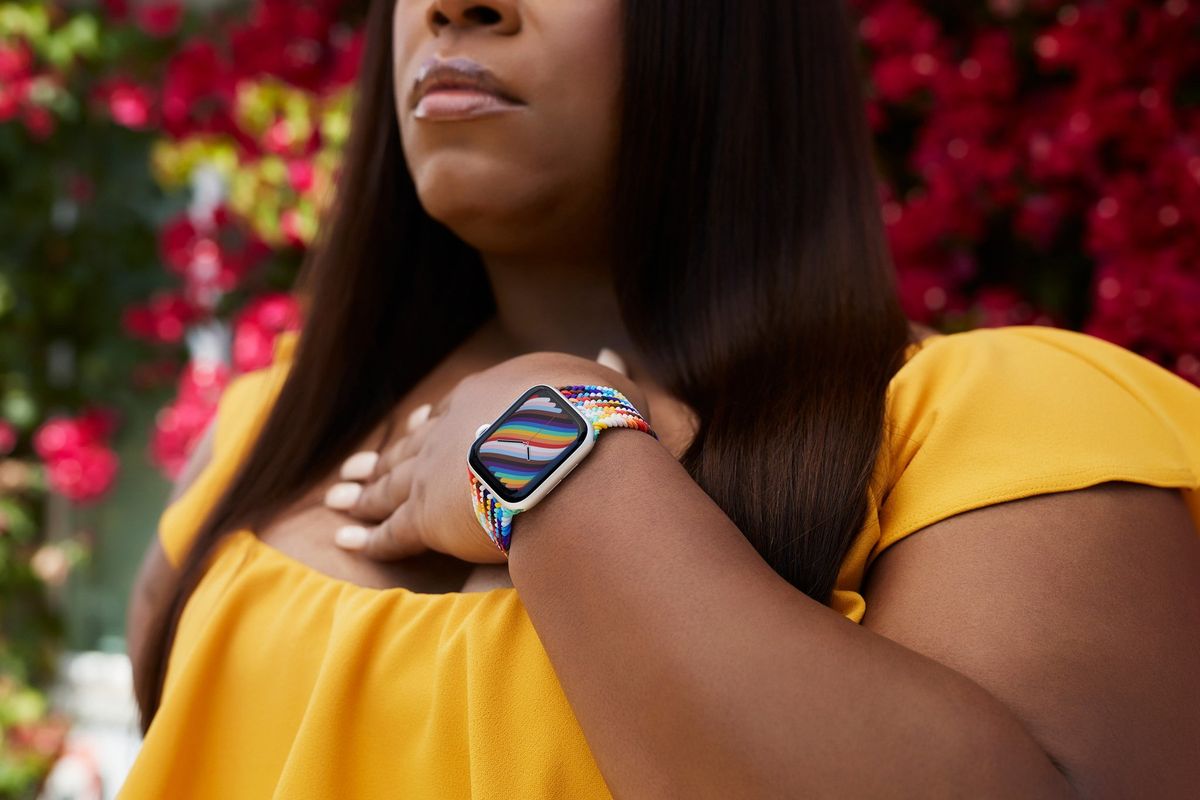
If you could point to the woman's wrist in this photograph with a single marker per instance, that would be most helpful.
(583, 504)
(560, 369)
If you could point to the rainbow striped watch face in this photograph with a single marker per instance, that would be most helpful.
(527, 443)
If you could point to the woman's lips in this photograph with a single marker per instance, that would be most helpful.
(458, 87)
(453, 103)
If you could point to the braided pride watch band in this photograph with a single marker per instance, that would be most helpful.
(603, 407)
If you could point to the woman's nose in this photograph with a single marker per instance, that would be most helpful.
(500, 16)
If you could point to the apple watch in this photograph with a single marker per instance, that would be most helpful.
(517, 459)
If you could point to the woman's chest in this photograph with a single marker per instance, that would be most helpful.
(304, 532)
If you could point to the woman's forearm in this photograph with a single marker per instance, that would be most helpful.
(695, 670)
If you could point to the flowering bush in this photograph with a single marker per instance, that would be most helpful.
(163, 171)
(254, 113)
(78, 214)
(1042, 163)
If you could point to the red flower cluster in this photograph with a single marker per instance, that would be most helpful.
(164, 319)
(299, 43)
(223, 87)
(180, 425)
(22, 81)
(79, 463)
(8, 437)
(211, 259)
(156, 17)
(127, 102)
(1044, 134)
(257, 327)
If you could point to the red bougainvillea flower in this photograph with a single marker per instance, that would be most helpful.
(97, 424)
(127, 102)
(176, 240)
(289, 39)
(257, 327)
(62, 435)
(212, 259)
(16, 61)
(300, 174)
(349, 48)
(39, 122)
(896, 26)
(198, 92)
(1040, 137)
(79, 463)
(164, 319)
(8, 437)
(158, 17)
(202, 382)
(179, 425)
(57, 437)
(116, 10)
(85, 475)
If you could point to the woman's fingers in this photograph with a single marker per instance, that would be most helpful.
(343, 496)
(368, 464)
(404, 447)
(609, 358)
(419, 416)
(377, 500)
(374, 468)
(395, 538)
(360, 466)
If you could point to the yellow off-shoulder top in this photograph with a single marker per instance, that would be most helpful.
(284, 682)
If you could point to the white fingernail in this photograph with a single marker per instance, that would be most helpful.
(610, 359)
(351, 536)
(343, 495)
(419, 415)
(360, 466)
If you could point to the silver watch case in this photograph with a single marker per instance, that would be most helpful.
(585, 443)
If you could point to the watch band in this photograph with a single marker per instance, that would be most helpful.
(603, 407)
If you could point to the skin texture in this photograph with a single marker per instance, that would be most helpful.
(503, 181)
(419, 493)
(526, 189)
(1060, 626)
(1039, 648)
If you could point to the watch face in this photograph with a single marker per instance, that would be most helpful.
(528, 442)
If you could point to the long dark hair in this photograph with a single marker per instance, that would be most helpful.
(753, 272)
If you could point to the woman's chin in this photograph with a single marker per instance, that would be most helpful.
(484, 225)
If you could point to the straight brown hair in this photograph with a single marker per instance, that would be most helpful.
(753, 271)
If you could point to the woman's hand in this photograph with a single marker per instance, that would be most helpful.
(416, 495)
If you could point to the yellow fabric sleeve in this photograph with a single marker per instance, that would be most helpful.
(240, 411)
(998, 414)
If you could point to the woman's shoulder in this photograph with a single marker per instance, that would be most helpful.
(985, 416)
(994, 414)
(1028, 376)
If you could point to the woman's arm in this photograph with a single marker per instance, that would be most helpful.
(1050, 650)
(155, 582)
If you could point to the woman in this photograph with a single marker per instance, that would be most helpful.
(689, 187)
